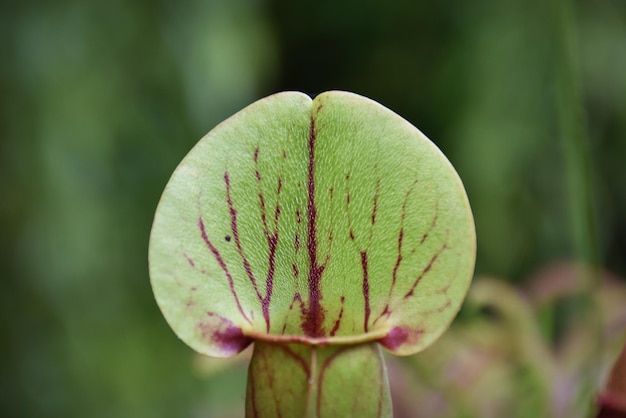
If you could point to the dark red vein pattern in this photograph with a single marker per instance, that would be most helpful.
(235, 231)
(425, 270)
(222, 265)
(271, 236)
(314, 314)
(366, 290)
(312, 311)
(338, 321)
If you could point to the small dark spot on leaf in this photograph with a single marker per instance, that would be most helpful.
(227, 238)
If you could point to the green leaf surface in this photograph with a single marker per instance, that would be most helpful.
(298, 380)
(320, 221)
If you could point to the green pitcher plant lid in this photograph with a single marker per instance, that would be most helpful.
(319, 221)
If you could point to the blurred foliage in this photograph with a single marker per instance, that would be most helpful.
(496, 361)
(100, 100)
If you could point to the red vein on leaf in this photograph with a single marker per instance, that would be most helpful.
(235, 232)
(323, 369)
(301, 362)
(441, 308)
(338, 321)
(426, 270)
(386, 312)
(222, 265)
(297, 298)
(348, 215)
(366, 290)
(269, 282)
(394, 274)
(375, 203)
(279, 188)
(189, 260)
(374, 211)
(296, 271)
(257, 175)
(312, 325)
(432, 224)
(272, 242)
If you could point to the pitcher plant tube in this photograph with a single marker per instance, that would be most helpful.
(319, 229)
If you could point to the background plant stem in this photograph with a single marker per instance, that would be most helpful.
(580, 309)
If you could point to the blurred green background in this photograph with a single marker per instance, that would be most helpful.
(99, 101)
